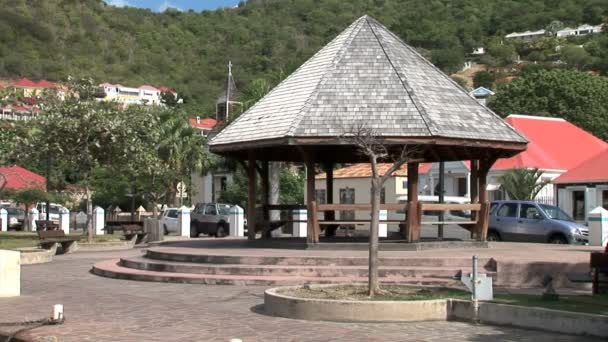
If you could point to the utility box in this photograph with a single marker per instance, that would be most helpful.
(598, 227)
(10, 273)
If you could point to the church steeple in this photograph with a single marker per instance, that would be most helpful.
(226, 104)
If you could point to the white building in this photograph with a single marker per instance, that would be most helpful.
(526, 35)
(580, 31)
(144, 95)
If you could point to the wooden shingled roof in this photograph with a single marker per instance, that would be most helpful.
(366, 76)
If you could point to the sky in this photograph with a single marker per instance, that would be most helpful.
(184, 5)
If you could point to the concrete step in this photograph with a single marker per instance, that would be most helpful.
(142, 263)
(113, 269)
(203, 257)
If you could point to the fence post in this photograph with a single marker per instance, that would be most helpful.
(64, 220)
(299, 224)
(98, 220)
(4, 219)
(236, 220)
(183, 221)
(34, 216)
(383, 227)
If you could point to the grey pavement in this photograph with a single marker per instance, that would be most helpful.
(102, 309)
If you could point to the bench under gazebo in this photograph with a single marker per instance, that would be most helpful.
(367, 76)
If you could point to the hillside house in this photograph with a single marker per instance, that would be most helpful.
(580, 31)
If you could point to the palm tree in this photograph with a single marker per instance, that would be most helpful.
(182, 149)
(523, 184)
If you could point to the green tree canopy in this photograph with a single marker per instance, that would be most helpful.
(573, 95)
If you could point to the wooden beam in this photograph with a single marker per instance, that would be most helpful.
(413, 227)
(446, 206)
(264, 172)
(329, 190)
(360, 207)
(484, 213)
(251, 207)
(310, 198)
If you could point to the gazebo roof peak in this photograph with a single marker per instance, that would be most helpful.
(366, 76)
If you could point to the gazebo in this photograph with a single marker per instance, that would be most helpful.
(367, 76)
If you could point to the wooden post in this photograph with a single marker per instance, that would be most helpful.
(265, 200)
(474, 183)
(251, 214)
(483, 220)
(413, 224)
(329, 196)
(311, 236)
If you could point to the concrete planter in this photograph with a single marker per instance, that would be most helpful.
(34, 255)
(281, 305)
(532, 318)
(278, 304)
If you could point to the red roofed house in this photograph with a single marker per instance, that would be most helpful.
(584, 187)
(18, 178)
(203, 124)
(556, 146)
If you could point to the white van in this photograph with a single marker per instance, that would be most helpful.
(433, 216)
(54, 212)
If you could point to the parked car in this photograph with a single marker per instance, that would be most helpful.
(210, 219)
(527, 221)
(16, 216)
(168, 220)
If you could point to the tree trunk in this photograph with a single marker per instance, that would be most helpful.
(87, 191)
(374, 285)
(275, 189)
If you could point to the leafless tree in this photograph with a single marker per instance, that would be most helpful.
(369, 144)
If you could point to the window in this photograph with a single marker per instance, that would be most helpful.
(172, 213)
(529, 212)
(578, 205)
(223, 184)
(404, 184)
(605, 199)
(347, 196)
(321, 196)
(507, 210)
(210, 209)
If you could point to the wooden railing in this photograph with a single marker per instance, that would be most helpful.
(411, 228)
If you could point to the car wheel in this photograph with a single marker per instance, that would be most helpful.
(558, 240)
(194, 230)
(221, 231)
(493, 236)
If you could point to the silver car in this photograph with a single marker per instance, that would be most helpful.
(210, 219)
(526, 221)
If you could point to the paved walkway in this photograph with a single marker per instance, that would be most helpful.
(101, 309)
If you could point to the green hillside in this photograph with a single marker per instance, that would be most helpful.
(188, 50)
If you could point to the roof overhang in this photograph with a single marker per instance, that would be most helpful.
(341, 149)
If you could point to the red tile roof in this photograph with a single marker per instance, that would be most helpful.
(167, 90)
(594, 170)
(27, 83)
(363, 170)
(206, 123)
(555, 144)
(148, 87)
(18, 178)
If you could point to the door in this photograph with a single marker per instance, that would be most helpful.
(505, 221)
(531, 224)
(578, 205)
(605, 199)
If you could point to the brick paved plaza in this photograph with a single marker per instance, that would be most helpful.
(102, 309)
